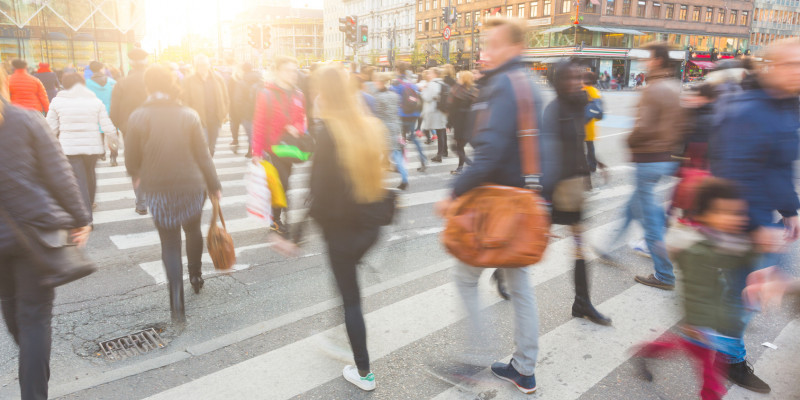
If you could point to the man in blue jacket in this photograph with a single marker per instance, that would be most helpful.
(756, 146)
(497, 160)
(401, 85)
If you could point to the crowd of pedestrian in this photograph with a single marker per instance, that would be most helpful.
(740, 137)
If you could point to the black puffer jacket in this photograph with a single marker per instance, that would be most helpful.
(128, 94)
(38, 186)
(166, 149)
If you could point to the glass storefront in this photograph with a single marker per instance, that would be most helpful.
(67, 32)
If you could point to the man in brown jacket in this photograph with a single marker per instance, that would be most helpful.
(205, 92)
(656, 136)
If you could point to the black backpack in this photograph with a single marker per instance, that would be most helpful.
(411, 101)
(443, 104)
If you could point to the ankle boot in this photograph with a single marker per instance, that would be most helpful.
(582, 307)
(176, 305)
(197, 283)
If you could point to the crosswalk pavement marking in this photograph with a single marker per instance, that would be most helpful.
(399, 324)
(121, 166)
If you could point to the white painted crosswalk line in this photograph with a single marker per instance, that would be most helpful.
(399, 324)
(121, 167)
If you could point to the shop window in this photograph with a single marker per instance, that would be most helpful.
(721, 16)
(610, 7)
(566, 6)
(743, 19)
(696, 14)
(534, 8)
(641, 7)
(669, 13)
(684, 12)
(656, 11)
(547, 7)
(626, 7)
(613, 40)
(521, 10)
(732, 20)
(709, 15)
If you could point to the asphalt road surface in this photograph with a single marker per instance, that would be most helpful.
(274, 328)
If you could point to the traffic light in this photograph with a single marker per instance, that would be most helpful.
(364, 33)
(342, 24)
(266, 37)
(254, 35)
(446, 14)
(352, 30)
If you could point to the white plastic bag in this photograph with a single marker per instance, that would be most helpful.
(259, 199)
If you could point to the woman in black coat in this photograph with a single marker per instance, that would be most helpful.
(38, 190)
(565, 118)
(164, 135)
(461, 97)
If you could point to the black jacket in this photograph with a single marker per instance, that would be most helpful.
(497, 155)
(332, 202)
(566, 125)
(50, 83)
(128, 94)
(166, 149)
(461, 100)
(38, 186)
(243, 98)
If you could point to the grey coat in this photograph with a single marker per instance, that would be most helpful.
(387, 107)
(432, 118)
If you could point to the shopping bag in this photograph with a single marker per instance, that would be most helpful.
(259, 198)
(275, 185)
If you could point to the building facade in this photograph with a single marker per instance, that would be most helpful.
(774, 20)
(390, 25)
(62, 32)
(295, 32)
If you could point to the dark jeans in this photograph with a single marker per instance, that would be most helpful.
(28, 311)
(234, 124)
(591, 158)
(284, 168)
(347, 244)
(212, 132)
(83, 168)
(462, 154)
(171, 252)
(442, 141)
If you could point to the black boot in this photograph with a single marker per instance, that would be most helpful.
(582, 307)
(197, 283)
(742, 375)
(176, 305)
(499, 279)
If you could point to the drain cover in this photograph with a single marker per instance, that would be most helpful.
(132, 345)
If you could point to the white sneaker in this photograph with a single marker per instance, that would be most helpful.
(640, 247)
(367, 383)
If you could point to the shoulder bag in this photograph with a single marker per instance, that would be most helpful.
(504, 226)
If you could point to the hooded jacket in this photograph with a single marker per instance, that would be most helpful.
(77, 117)
(27, 92)
(658, 131)
(102, 86)
(756, 145)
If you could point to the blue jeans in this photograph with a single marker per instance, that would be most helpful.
(644, 207)
(400, 163)
(409, 125)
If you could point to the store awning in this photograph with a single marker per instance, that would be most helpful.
(626, 31)
(553, 60)
(556, 29)
(703, 64)
(596, 28)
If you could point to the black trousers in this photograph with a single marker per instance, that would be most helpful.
(347, 244)
(234, 124)
(28, 311)
(442, 141)
(284, 168)
(591, 158)
(83, 166)
(171, 253)
(462, 153)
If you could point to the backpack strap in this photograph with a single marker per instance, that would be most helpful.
(527, 129)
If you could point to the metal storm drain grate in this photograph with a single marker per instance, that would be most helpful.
(132, 345)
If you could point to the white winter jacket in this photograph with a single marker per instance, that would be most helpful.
(78, 118)
(432, 118)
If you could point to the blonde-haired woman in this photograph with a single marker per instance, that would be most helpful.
(462, 95)
(347, 173)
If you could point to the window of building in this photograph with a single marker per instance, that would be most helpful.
(566, 6)
(669, 13)
(721, 16)
(743, 19)
(521, 10)
(684, 12)
(641, 7)
(435, 4)
(732, 19)
(610, 7)
(696, 14)
(709, 15)
(510, 12)
(626, 7)
(419, 26)
(547, 7)
(656, 11)
(419, 6)
(477, 17)
(427, 25)
(534, 8)
(434, 23)
(427, 5)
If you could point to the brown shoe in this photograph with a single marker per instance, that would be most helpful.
(652, 281)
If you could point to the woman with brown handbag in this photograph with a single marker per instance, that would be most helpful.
(164, 135)
(564, 117)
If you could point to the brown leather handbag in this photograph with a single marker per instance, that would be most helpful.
(504, 226)
(219, 241)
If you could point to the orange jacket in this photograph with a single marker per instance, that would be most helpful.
(27, 91)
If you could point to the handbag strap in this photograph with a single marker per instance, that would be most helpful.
(527, 129)
(217, 211)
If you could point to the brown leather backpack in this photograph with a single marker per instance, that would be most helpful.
(497, 226)
(219, 241)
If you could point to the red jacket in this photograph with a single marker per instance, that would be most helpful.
(274, 110)
(28, 92)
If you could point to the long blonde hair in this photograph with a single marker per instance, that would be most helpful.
(360, 139)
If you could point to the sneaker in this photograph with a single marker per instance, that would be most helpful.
(640, 247)
(141, 212)
(742, 375)
(367, 383)
(651, 280)
(437, 159)
(434, 137)
(423, 168)
(280, 228)
(403, 186)
(507, 372)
